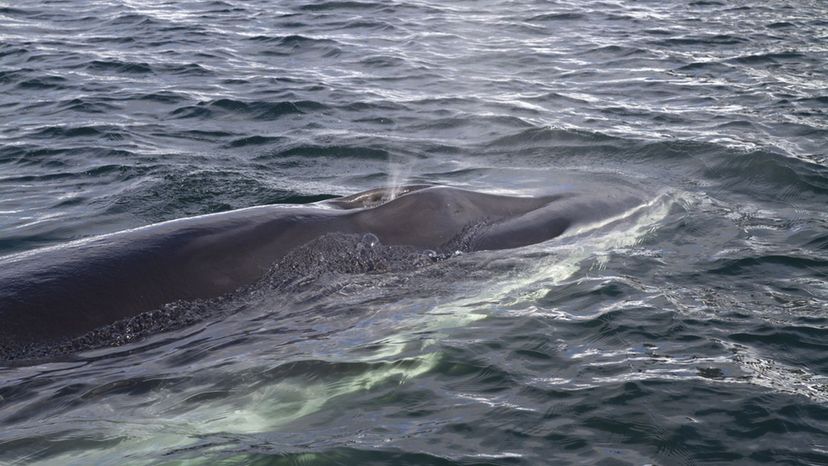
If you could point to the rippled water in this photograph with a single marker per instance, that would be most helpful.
(693, 332)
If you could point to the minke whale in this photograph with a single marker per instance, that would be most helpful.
(63, 292)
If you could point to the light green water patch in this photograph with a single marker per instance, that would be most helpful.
(175, 422)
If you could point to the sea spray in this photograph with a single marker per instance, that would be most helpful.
(399, 171)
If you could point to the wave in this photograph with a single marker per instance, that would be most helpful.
(329, 152)
(557, 17)
(257, 110)
(118, 66)
(703, 40)
(326, 6)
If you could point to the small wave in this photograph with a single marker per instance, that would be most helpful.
(265, 110)
(58, 158)
(7, 50)
(333, 152)
(87, 106)
(124, 172)
(616, 51)
(384, 61)
(132, 19)
(711, 67)
(765, 58)
(203, 135)
(184, 69)
(11, 11)
(771, 263)
(557, 17)
(784, 336)
(164, 97)
(258, 110)
(42, 83)
(658, 32)
(543, 136)
(371, 25)
(191, 111)
(737, 124)
(215, 6)
(821, 100)
(706, 3)
(558, 98)
(281, 46)
(114, 133)
(339, 5)
(182, 194)
(780, 25)
(766, 173)
(118, 66)
(472, 124)
(703, 40)
(110, 40)
(292, 40)
(254, 141)
(820, 243)
(374, 107)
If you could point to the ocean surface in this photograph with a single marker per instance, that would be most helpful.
(695, 332)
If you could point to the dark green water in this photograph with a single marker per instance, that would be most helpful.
(693, 332)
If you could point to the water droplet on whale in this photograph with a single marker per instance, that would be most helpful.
(370, 240)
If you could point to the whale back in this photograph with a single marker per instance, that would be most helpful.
(65, 291)
(432, 217)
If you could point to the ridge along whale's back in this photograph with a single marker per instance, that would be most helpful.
(66, 291)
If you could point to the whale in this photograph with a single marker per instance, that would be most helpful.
(64, 291)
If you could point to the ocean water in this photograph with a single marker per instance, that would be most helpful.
(693, 331)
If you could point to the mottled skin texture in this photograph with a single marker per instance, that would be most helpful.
(65, 291)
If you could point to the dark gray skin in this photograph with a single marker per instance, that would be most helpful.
(63, 292)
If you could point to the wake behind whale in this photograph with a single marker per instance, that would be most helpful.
(94, 292)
